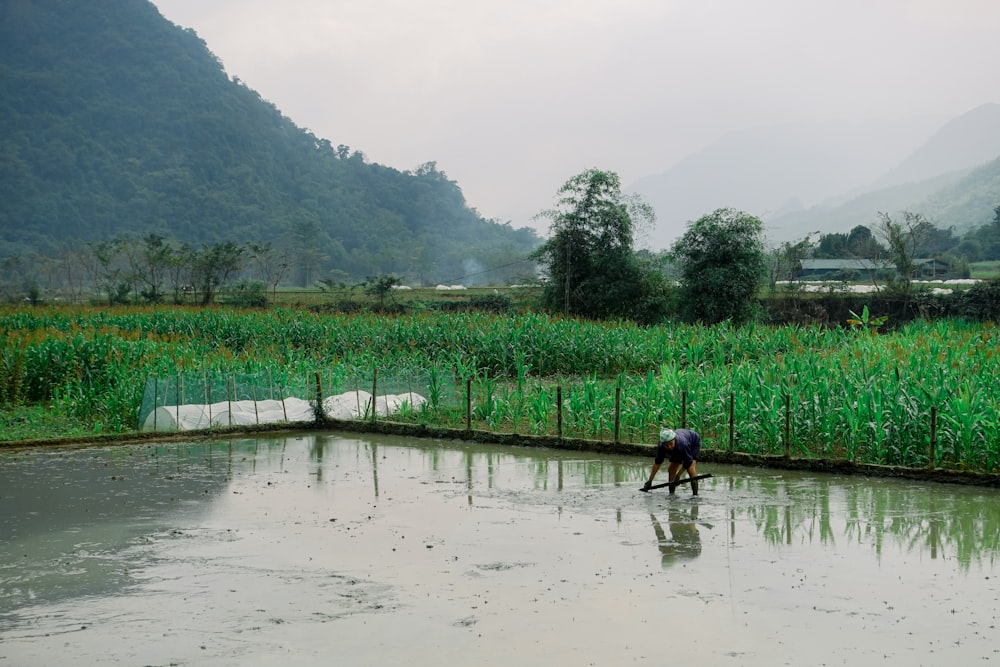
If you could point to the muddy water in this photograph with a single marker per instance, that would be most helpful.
(374, 550)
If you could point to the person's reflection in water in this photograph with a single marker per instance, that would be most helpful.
(684, 542)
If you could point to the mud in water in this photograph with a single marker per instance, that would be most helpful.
(354, 549)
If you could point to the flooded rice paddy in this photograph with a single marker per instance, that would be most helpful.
(346, 549)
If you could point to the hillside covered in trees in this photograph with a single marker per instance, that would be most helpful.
(117, 122)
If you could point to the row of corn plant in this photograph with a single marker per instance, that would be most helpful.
(844, 393)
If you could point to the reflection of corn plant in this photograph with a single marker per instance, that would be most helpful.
(772, 522)
(959, 527)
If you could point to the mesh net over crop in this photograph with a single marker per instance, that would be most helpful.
(186, 402)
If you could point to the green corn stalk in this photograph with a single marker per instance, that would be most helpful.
(540, 407)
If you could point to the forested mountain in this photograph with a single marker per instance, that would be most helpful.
(116, 121)
(961, 201)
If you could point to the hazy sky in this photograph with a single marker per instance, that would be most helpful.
(513, 98)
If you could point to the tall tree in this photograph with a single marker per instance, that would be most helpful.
(180, 272)
(270, 264)
(214, 266)
(904, 238)
(861, 243)
(307, 241)
(986, 238)
(831, 246)
(722, 261)
(592, 269)
(105, 266)
(784, 261)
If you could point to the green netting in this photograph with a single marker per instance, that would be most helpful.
(220, 395)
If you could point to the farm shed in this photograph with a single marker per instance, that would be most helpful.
(821, 268)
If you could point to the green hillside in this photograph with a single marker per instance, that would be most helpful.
(861, 209)
(969, 203)
(117, 122)
(962, 201)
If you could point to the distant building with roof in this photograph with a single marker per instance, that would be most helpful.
(824, 269)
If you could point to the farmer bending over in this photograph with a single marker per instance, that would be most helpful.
(681, 448)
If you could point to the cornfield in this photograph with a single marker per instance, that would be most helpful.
(807, 391)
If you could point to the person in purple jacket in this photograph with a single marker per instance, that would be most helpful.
(680, 448)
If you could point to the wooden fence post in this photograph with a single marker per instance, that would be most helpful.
(208, 402)
(559, 412)
(788, 428)
(256, 413)
(319, 395)
(230, 388)
(732, 421)
(468, 404)
(932, 458)
(618, 411)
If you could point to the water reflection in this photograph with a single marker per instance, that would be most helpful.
(783, 507)
(684, 540)
(68, 517)
(280, 546)
(940, 521)
(65, 514)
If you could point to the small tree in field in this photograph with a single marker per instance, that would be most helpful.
(214, 265)
(380, 287)
(722, 261)
(904, 239)
(593, 271)
(783, 262)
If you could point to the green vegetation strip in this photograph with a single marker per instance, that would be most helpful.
(831, 393)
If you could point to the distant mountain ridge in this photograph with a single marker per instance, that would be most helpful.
(952, 179)
(968, 141)
(805, 178)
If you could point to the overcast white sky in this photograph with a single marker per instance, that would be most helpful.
(513, 98)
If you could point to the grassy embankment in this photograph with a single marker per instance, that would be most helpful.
(985, 270)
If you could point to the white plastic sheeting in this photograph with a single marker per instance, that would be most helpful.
(351, 405)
